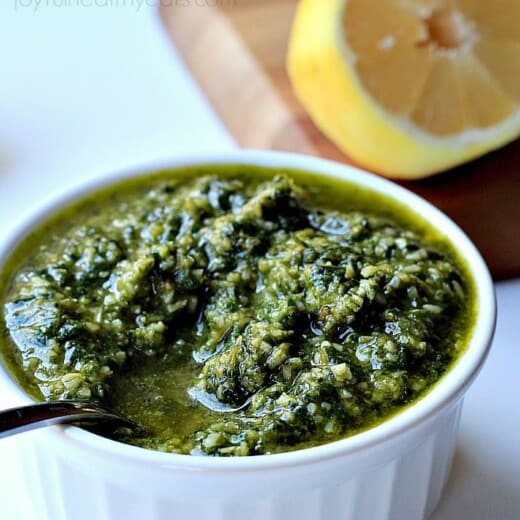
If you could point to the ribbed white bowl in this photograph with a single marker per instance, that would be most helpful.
(401, 479)
(394, 471)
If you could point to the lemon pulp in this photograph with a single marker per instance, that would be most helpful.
(409, 87)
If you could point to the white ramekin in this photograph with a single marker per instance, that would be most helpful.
(394, 471)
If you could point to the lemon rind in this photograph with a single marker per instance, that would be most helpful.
(328, 86)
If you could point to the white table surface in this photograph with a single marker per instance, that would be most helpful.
(87, 87)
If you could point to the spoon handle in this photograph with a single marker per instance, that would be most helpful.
(25, 418)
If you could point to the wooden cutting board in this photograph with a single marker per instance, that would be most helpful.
(236, 50)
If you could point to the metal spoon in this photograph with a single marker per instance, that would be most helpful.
(210, 402)
(25, 418)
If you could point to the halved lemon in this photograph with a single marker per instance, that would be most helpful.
(409, 88)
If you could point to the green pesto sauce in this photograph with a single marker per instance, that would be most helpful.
(315, 307)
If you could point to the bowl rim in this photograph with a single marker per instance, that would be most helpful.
(449, 389)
